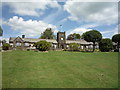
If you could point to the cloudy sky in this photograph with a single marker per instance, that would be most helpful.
(32, 18)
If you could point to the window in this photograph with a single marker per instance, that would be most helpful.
(18, 44)
(62, 35)
(26, 44)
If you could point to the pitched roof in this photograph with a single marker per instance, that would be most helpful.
(34, 40)
(81, 41)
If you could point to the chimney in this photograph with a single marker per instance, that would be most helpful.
(23, 36)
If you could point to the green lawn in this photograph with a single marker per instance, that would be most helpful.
(59, 69)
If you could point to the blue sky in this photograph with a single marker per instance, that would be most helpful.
(32, 18)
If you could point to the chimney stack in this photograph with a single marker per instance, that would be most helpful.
(23, 36)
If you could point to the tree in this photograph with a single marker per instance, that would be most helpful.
(42, 45)
(116, 39)
(6, 46)
(4, 41)
(105, 45)
(47, 34)
(0, 42)
(1, 31)
(92, 36)
(70, 37)
(76, 36)
(73, 36)
(82, 37)
(74, 46)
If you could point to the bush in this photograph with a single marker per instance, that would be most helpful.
(43, 45)
(65, 49)
(28, 49)
(82, 50)
(97, 50)
(105, 45)
(6, 46)
(116, 39)
(74, 47)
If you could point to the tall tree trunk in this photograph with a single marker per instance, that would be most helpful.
(93, 46)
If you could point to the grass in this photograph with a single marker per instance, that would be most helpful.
(59, 69)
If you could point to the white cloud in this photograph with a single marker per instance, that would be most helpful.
(31, 8)
(60, 0)
(91, 25)
(110, 33)
(105, 32)
(7, 39)
(77, 30)
(83, 28)
(95, 12)
(87, 27)
(52, 16)
(2, 21)
(30, 28)
(118, 28)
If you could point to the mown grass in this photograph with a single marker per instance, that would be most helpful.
(59, 69)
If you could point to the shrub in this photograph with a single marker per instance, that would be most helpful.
(28, 49)
(43, 45)
(6, 46)
(105, 45)
(97, 50)
(116, 39)
(65, 49)
(74, 47)
(82, 50)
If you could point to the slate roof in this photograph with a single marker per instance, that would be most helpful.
(33, 40)
(81, 41)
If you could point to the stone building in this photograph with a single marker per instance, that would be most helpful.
(60, 43)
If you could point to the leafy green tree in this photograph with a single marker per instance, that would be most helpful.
(76, 36)
(4, 41)
(116, 39)
(74, 46)
(47, 34)
(92, 36)
(0, 42)
(43, 45)
(82, 37)
(105, 45)
(73, 36)
(1, 31)
(70, 37)
(6, 46)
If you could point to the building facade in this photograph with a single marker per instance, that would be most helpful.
(60, 43)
